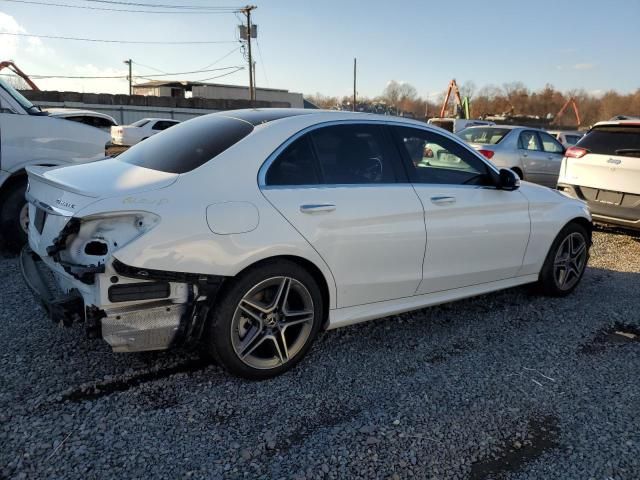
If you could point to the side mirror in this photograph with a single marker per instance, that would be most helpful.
(508, 180)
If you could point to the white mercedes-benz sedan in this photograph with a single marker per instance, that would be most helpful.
(248, 231)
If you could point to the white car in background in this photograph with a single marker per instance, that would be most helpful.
(603, 169)
(566, 138)
(29, 136)
(129, 135)
(88, 117)
(251, 230)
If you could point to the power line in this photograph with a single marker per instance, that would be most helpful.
(107, 9)
(156, 5)
(136, 42)
(222, 58)
(218, 76)
(93, 77)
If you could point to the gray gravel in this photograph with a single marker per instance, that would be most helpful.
(506, 385)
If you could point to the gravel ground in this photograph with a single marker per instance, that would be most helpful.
(506, 385)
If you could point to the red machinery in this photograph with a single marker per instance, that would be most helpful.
(14, 68)
(572, 102)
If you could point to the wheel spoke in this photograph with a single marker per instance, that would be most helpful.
(281, 346)
(251, 309)
(297, 318)
(252, 340)
(282, 295)
(579, 251)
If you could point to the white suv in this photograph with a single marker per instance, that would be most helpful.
(603, 169)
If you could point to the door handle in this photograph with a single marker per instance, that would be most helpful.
(525, 154)
(317, 208)
(443, 200)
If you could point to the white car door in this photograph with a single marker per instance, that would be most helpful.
(343, 188)
(475, 233)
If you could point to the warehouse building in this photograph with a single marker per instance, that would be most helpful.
(158, 88)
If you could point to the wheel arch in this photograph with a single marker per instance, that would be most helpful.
(309, 266)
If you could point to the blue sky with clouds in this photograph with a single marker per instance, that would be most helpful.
(309, 46)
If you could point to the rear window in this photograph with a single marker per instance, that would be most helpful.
(612, 140)
(483, 135)
(140, 123)
(187, 145)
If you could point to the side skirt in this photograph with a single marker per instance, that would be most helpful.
(341, 317)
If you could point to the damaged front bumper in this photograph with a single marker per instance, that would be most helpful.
(132, 309)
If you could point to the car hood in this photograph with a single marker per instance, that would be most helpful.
(71, 188)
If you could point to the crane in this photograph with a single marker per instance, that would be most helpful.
(462, 103)
(572, 102)
(14, 68)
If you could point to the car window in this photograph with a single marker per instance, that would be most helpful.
(613, 140)
(163, 125)
(354, 154)
(528, 140)
(486, 136)
(433, 158)
(296, 165)
(572, 139)
(550, 144)
(140, 123)
(187, 145)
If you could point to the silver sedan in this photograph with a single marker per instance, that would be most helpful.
(531, 153)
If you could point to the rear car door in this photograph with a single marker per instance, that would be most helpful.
(343, 188)
(554, 152)
(533, 158)
(475, 233)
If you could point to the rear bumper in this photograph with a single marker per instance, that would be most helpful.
(608, 207)
(130, 314)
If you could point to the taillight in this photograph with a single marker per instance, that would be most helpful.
(487, 153)
(576, 152)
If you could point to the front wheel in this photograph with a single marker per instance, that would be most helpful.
(566, 261)
(265, 321)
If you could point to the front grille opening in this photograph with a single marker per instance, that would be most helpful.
(97, 248)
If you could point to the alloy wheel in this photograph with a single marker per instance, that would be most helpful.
(272, 322)
(570, 261)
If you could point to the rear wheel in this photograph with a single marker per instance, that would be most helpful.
(265, 321)
(518, 172)
(566, 261)
(14, 216)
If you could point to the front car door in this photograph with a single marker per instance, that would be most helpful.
(532, 157)
(342, 186)
(475, 233)
(554, 152)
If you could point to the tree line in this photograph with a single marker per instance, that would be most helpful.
(509, 99)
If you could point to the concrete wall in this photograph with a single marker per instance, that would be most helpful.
(231, 92)
(127, 109)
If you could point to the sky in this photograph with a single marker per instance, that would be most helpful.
(309, 46)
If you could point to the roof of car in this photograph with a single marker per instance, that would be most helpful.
(630, 123)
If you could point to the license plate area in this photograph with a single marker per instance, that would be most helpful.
(609, 198)
(41, 217)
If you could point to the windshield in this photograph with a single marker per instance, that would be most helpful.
(483, 135)
(613, 140)
(18, 97)
(188, 145)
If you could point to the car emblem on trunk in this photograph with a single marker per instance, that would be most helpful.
(614, 161)
(64, 203)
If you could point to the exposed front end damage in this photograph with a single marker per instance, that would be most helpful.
(71, 266)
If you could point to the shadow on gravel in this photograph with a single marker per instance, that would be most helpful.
(543, 437)
(618, 334)
(97, 390)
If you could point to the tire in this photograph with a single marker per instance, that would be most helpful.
(253, 335)
(12, 203)
(518, 172)
(572, 257)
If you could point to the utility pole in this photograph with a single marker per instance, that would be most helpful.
(130, 77)
(247, 12)
(255, 95)
(354, 84)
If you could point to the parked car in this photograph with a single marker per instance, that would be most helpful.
(566, 138)
(29, 136)
(251, 230)
(88, 117)
(456, 124)
(533, 154)
(141, 130)
(603, 169)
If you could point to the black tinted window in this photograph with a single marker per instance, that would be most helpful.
(187, 145)
(294, 166)
(550, 144)
(354, 154)
(433, 158)
(613, 140)
(163, 125)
